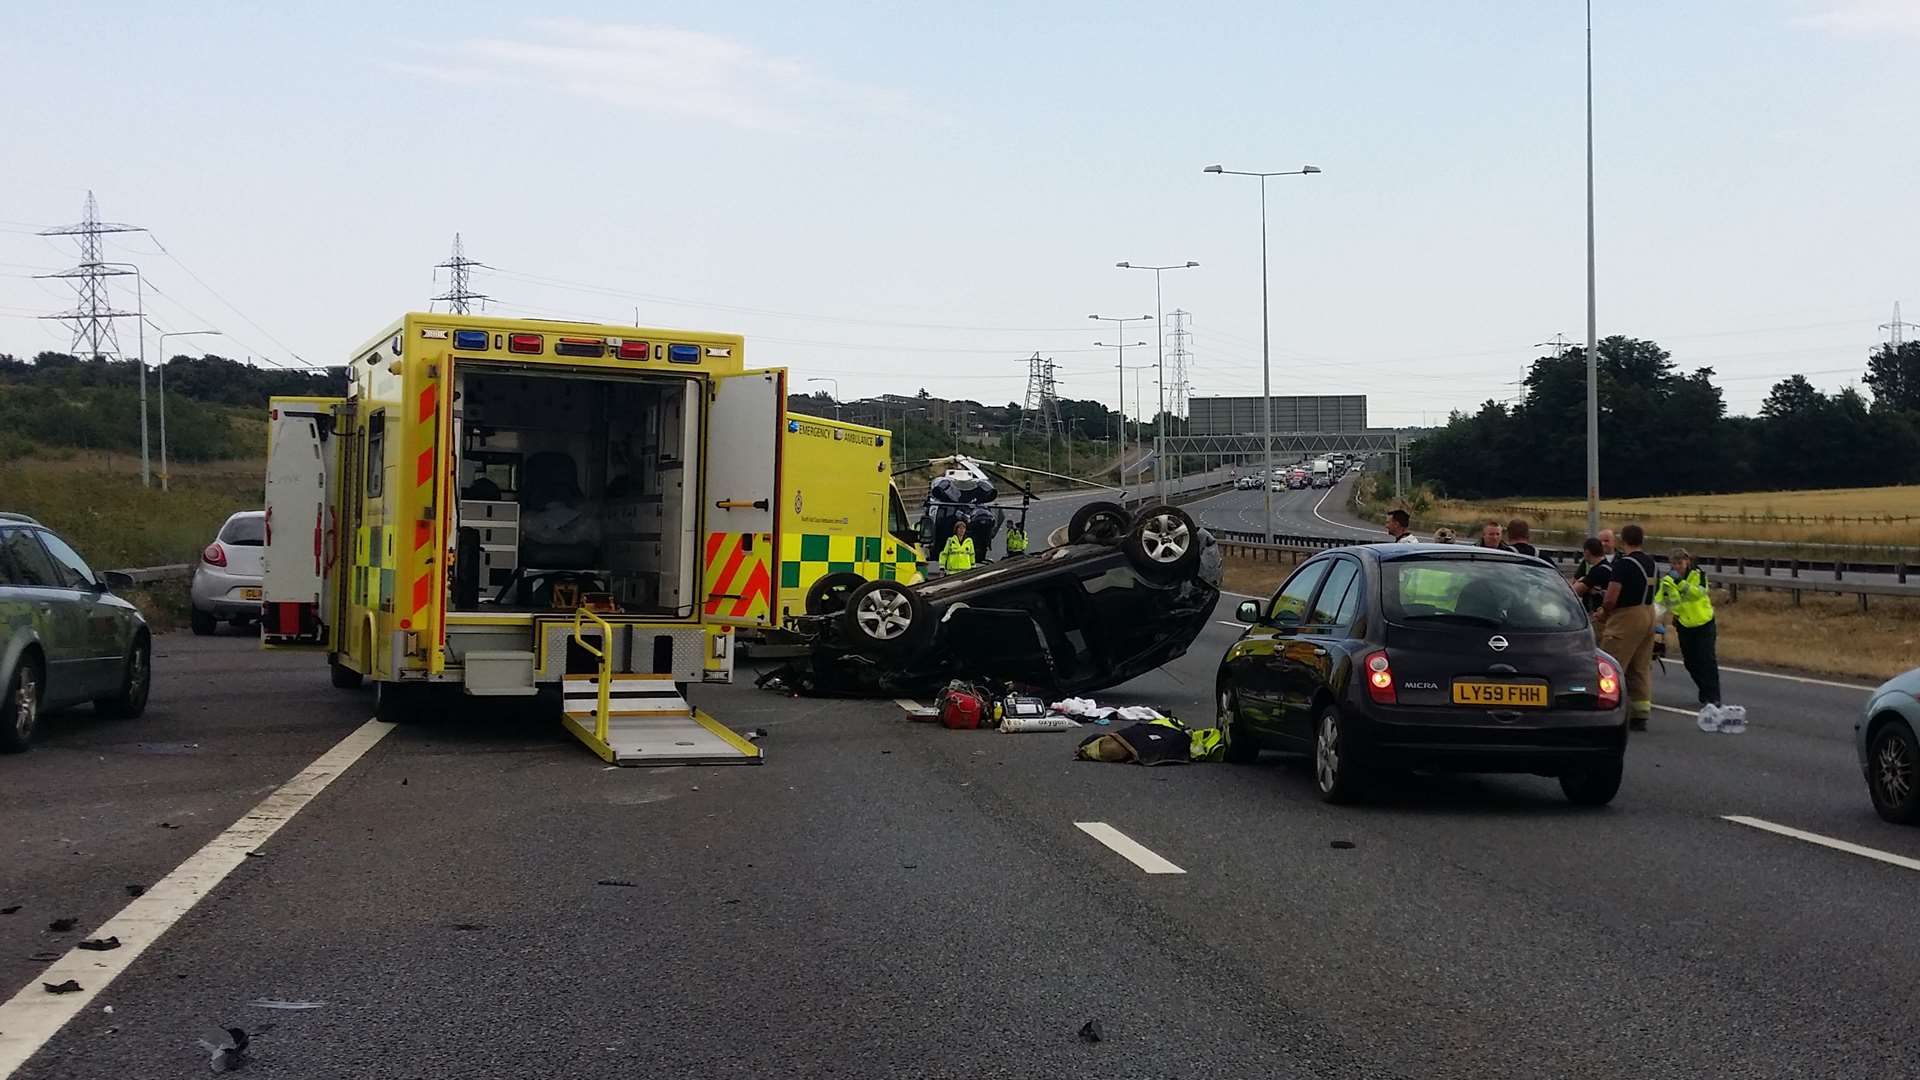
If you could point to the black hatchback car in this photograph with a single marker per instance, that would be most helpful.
(1399, 657)
(1120, 595)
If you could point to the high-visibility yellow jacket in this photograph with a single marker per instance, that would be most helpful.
(1687, 598)
(1016, 541)
(957, 555)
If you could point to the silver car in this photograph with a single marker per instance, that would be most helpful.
(65, 638)
(226, 581)
(1889, 754)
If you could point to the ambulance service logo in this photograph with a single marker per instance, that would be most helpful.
(793, 426)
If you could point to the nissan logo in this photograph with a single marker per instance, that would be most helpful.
(1497, 643)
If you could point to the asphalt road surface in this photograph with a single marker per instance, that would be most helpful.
(478, 896)
(1302, 512)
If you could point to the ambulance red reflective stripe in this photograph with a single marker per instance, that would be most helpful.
(759, 584)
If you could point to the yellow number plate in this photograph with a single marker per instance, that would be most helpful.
(249, 594)
(1508, 694)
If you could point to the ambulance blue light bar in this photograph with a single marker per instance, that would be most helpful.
(470, 340)
(683, 354)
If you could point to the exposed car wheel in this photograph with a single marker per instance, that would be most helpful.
(135, 683)
(20, 709)
(1164, 543)
(828, 596)
(885, 616)
(1334, 773)
(344, 677)
(1098, 523)
(203, 622)
(1242, 747)
(1595, 785)
(1893, 773)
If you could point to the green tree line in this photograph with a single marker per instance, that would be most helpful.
(1663, 432)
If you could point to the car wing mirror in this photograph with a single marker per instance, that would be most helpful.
(1249, 612)
(115, 581)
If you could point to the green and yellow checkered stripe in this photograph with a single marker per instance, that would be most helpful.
(807, 557)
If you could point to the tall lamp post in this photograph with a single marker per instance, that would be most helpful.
(1593, 393)
(836, 394)
(1266, 361)
(1160, 360)
(1121, 321)
(165, 475)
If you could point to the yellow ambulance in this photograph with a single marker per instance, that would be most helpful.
(842, 520)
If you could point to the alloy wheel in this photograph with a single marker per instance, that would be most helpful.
(1326, 753)
(884, 615)
(1165, 538)
(26, 703)
(1894, 769)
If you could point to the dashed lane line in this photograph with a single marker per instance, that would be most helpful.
(34, 1015)
(1824, 841)
(1127, 847)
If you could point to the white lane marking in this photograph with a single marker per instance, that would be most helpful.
(1127, 847)
(1798, 678)
(1336, 524)
(1682, 712)
(34, 1016)
(1824, 841)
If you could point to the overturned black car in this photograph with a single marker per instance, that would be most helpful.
(1116, 596)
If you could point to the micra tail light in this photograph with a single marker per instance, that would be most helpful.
(1380, 679)
(1607, 686)
(215, 555)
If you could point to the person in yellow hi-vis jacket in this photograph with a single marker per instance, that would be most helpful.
(1683, 590)
(957, 555)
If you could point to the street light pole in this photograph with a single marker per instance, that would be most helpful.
(165, 474)
(1266, 354)
(836, 394)
(1593, 368)
(1122, 321)
(1160, 337)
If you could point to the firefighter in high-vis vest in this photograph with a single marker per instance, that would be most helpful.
(1683, 591)
(957, 555)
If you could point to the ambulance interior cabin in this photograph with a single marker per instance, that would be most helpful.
(576, 489)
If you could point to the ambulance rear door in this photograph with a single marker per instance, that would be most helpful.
(302, 533)
(741, 507)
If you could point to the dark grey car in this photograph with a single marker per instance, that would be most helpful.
(65, 638)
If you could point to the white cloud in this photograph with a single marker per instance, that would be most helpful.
(662, 69)
(1862, 17)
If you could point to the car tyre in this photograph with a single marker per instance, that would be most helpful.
(1243, 747)
(1335, 775)
(397, 704)
(1164, 544)
(135, 684)
(885, 617)
(20, 709)
(1595, 785)
(1893, 773)
(828, 595)
(203, 622)
(1098, 523)
(344, 677)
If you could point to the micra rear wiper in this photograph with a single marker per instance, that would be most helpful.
(1478, 620)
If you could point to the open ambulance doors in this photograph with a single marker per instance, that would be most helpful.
(742, 485)
(302, 535)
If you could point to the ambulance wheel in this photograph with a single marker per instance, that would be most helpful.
(1164, 544)
(397, 704)
(344, 677)
(885, 617)
(828, 596)
(1098, 523)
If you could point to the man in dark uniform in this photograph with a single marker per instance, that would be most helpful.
(1591, 585)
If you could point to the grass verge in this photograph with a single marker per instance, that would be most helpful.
(114, 522)
(1822, 635)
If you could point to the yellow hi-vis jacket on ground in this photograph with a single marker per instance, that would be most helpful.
(957, 555)
(1687, 598)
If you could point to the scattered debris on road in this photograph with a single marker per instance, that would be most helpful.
(1090, 1032)
(1164, 741)
(100, 944)
(168, 825)
(232, 1053)
(1343, 845)
(9, 910)
(617, 883)
(276, 1003)
(136, 890)
(61, 926)
(67, 987)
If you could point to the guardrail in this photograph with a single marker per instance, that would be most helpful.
(1775, 575)
(143, 574)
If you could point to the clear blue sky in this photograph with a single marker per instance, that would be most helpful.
(900, 203)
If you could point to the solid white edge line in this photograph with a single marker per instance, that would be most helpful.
(1337, 524)
(33, 1016)
(1127, 847)
(1799, 679)
(1824, 841)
